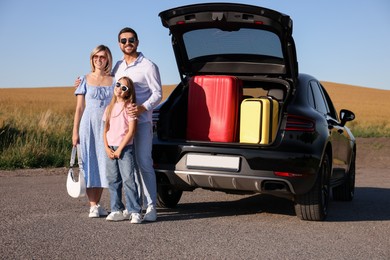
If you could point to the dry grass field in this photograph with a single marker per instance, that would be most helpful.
(36, 123)
(371, 106)
(42, 107)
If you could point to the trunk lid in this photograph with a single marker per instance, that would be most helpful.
(231, 39)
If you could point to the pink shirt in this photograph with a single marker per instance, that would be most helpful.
(119, 124)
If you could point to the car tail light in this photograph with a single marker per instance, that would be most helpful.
(299, 123)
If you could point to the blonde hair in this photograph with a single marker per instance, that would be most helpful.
(129, 98)
(108, 67)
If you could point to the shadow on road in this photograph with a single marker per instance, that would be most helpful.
(369, 204)
(255, 204)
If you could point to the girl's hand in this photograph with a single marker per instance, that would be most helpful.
(117, 154)
(110, 153)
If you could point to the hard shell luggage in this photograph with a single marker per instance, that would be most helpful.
(258, 120)
(213, 108)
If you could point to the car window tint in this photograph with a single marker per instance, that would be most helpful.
(310, 97)
(213, 41)
(320, 104)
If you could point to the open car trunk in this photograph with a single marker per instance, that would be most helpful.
(224, 109)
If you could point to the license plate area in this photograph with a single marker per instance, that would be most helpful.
(213, 162)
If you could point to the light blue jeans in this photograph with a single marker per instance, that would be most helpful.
(144, 162)
(121, 173)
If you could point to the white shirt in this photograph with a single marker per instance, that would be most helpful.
(146, 77)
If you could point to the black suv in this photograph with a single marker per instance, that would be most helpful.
(243, 120)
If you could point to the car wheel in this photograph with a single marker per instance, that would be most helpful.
(346, 191)
(314, 204)
(167, 195)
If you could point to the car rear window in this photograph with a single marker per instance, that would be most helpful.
(214, 41)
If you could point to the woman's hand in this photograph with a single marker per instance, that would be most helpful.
(75, 139)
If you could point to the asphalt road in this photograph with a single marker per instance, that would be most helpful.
(40, 221)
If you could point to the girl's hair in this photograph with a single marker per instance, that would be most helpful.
(100, 48)
(129, 98)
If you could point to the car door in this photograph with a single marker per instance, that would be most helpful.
(338, 137)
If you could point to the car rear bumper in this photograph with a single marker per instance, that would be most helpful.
(253, 170)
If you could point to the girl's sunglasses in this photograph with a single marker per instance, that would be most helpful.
(123, 87)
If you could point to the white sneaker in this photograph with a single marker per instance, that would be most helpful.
(102, 211)
(97, 211)
(136, 218)
(115, 216)
(94, 212)
(126, 214)
(151, 214)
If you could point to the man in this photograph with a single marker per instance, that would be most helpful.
(147, 82)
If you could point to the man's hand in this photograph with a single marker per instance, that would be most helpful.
(134, 111)
(77, 82)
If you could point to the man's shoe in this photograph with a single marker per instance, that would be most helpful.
(151, 214)
(115, 216)
(135, 218)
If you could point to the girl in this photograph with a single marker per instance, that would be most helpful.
(119, 130)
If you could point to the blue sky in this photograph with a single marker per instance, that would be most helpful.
(47, 43)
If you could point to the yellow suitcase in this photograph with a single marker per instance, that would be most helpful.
(258, 120)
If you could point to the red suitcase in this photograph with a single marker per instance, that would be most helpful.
(213, 108)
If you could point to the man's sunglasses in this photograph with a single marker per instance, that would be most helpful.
(130, 40)
(123, 87)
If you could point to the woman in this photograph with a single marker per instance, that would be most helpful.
(93, 95)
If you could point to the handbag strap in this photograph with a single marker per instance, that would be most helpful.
(73, 156)
(76, 151)
(80, 162)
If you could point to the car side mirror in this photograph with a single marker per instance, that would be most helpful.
(345, 116)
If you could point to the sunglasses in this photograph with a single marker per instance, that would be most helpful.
(99, 57)
(123, 87)
(129, 40)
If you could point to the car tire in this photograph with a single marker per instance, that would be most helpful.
(167, 195)
(346, 191)
(313, 205)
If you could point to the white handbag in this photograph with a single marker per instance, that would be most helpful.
(76, 189)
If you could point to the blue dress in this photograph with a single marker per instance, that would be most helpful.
(91, 132)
